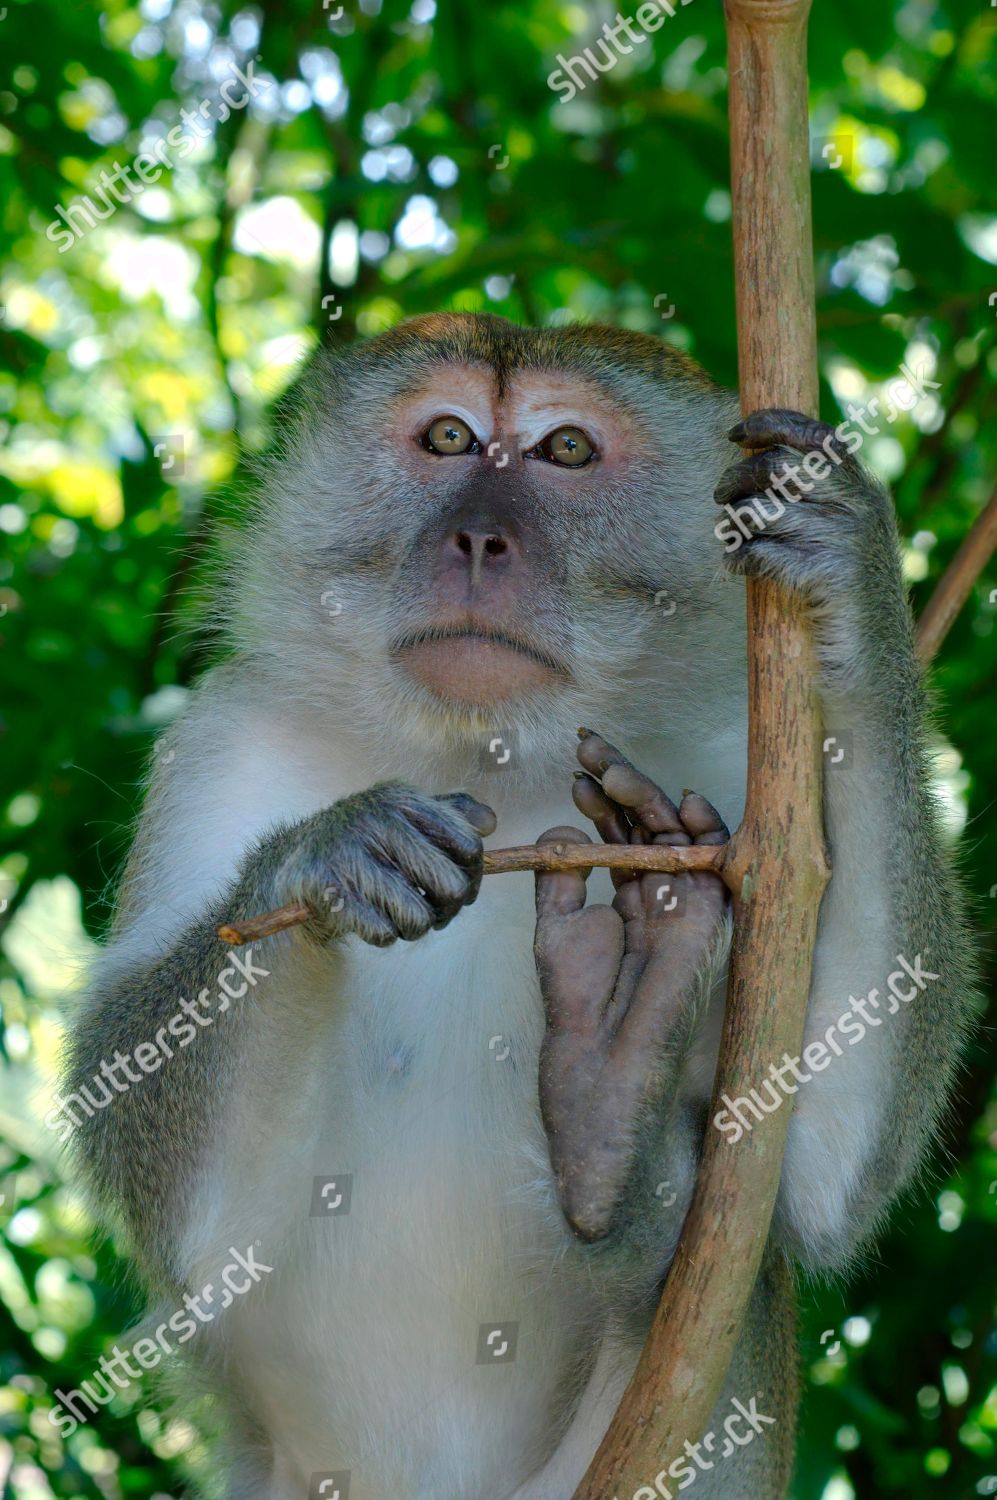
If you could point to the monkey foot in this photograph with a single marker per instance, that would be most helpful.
(619, 982)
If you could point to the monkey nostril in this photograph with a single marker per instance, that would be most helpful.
(473, 543)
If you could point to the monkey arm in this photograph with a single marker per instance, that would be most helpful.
(893, 986)
(160, 1049)
(893, 974)
(169, 1047)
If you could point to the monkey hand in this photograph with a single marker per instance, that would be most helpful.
(822, 527)
(619, 982)
(383, 864)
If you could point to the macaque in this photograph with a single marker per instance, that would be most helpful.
(483, 596)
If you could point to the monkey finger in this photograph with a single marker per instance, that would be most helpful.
(752, 475)
(774, 426)
(407, 908)
(562, 892)
(469, 854)
(454, 824)
(478, 814)
(371, 925)
(445, 885)
(410, 912)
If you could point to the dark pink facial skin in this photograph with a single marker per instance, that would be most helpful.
(484, 564)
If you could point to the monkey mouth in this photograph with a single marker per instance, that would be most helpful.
(472, 664)
(492, 637)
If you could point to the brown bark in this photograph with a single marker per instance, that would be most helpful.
(775, 863)
(956, 582)
(663, 859)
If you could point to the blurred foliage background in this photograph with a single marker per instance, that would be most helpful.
(395, 158)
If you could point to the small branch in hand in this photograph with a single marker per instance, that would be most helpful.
(263, 926)
(662, 859)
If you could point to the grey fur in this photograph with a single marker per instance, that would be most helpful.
(335, 515)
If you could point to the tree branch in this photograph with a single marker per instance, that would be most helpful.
(776, 861)
(954, 587)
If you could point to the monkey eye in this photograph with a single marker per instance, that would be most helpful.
(450, 435)
(565, 445)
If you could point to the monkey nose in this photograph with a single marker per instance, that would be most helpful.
(480, 547)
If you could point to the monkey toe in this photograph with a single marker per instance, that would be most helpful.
(590, 799)
(701, 820)
(596, 754)
(697, 894)
(610, 820)
(588, 1201)
(564, 834)
(589, 1114)
(561, 892)
(629, 789)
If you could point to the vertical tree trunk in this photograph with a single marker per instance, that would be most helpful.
(775, 864)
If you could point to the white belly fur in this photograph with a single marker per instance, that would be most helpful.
(360, 1351)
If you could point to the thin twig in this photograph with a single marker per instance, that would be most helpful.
(659, 859)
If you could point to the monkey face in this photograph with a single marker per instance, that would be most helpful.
(473, 522)
(501, 476)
